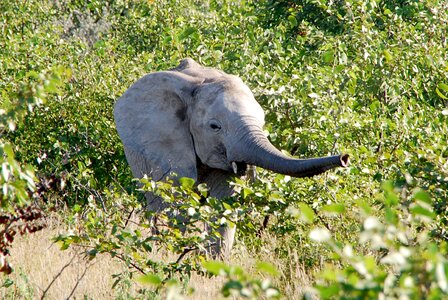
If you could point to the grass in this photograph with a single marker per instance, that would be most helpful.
(43, 271)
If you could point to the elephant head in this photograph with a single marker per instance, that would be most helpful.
(204, 124)
(189, 116)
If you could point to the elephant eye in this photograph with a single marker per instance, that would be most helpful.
(214, 125)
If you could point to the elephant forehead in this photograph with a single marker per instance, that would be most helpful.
(228, 97)
(231, 106)
(240, 104)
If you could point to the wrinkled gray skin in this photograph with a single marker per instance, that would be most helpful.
(204, 124)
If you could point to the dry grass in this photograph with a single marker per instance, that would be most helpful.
(42, 270)
(293, 279)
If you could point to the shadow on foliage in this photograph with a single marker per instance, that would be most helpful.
(329, 18)
(432, 178)
(404, 8)
(304, 11)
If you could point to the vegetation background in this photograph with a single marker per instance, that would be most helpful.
(369, 78)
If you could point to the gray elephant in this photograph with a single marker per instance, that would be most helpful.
(201, 123)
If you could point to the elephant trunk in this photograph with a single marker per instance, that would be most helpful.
(255, 149)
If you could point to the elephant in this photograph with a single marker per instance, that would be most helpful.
(205, 124)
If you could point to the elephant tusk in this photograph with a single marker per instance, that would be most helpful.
(235, 167)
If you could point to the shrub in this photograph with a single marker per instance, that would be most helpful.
(364, 77)
(18, 214)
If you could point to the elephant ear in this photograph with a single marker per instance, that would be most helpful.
(151, 119)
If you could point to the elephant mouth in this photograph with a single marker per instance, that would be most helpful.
(239, 168)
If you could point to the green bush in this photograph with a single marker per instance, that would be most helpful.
(400, 257)
(18, 214)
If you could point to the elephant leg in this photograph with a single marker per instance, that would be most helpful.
(218, 184)
(157, 206)
(154, 206)
(228, 237)
(222, 247)
(154, 203)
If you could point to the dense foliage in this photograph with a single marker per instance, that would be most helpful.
(369, 78)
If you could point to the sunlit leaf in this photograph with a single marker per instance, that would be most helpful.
(418, 210)
(336, 208)
(443, 86)
(320, 235)
(422, 196)
(306, 213)
(186, 182)
(442, 274)
(328, 56)
(149, 279)
(441, 95)
(214, 267)
(313, 95)
(387, 55)
(266, 268)
(292, 20)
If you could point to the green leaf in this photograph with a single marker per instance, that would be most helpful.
(186, 182)
(292, 20)
(306, 213)
(328, 56)
(267, 268)
(7, 149)
(391, 199)
(65, 245)
(246, 192)
(233, 285)
(32, 74)
(418, 210)
(443, 86)
(387, 55)
(214, 266)
(149, 279)
(328, 292)
(334, 208)
(421, 195)
(364, 206)
(186, 33)
(92, 253)
(76, 208)
(391, 215)
(7, 282)
(440, 94)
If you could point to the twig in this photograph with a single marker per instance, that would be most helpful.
(263, 226)
(114, 254)
(320, 218)
(185, 252)
(120, 257)
(288, 117)
(129, 217)
(77, 282)
(56, 277)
